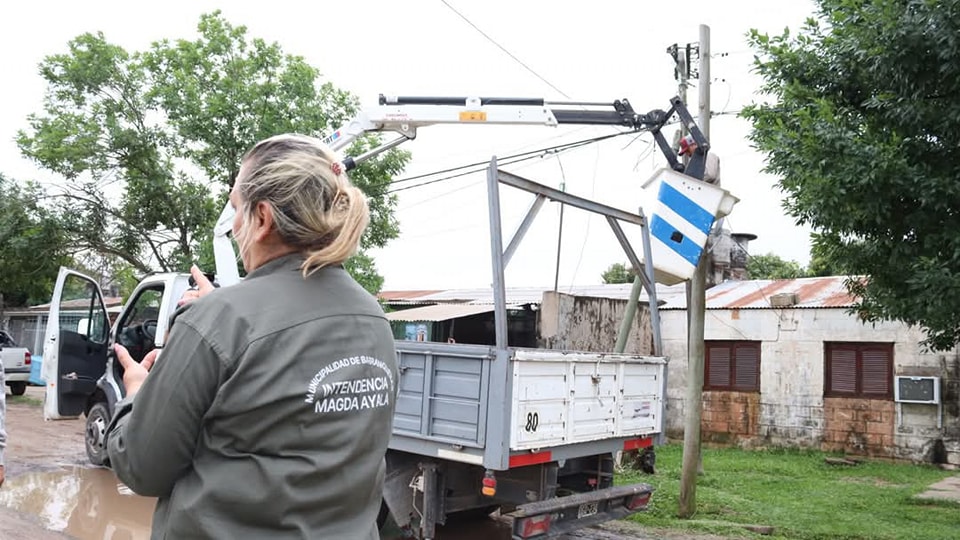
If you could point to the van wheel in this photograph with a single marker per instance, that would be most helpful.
(96, 433)
(18, 388)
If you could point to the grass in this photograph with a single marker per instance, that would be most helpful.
(24, 400)
(800, 495)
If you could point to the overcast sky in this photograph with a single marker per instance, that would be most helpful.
(597, 51)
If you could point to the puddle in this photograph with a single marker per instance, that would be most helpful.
(88, 504)
(91, 504)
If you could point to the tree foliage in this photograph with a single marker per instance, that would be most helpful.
(772, 266)
(862, 126)
(32, 245)
(618, 273)
(149, 142)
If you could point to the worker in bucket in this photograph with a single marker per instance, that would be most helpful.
(711, 171)
(269, 411)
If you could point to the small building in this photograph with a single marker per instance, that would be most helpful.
(462, 323)
(583, 318)
(28, 325)
(788, 364)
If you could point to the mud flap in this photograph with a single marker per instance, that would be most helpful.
(397, 491)
(560, 515)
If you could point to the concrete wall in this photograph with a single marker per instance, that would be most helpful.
(581, 323)
(790, 409)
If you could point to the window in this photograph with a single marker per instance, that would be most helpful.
(81, 309)
(732, 365)
(859, 370)
(137, 330)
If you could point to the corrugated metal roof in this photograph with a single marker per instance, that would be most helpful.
(817, 292)
(438, 312)
(79, 303)
(403, 295)
(521, 295)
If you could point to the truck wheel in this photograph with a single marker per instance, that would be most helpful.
(18, 388)
(96, 432)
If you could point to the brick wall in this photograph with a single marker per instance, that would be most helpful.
(730, 417)
(859, 426)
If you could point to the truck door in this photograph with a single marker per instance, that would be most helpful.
(75, 348)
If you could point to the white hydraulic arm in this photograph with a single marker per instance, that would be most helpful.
(403, 115)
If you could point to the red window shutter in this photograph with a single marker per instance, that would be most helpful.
(876, 370)
(843, 371)
(718, 373)
(747, 367)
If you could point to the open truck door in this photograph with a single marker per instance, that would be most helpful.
(75, 348)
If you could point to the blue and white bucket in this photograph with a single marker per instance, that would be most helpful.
(684, 213)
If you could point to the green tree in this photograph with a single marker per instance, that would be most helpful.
(32, 245)
(825, 259)
(771, 266)
(861, 126)
(150, 142)
(618, 273)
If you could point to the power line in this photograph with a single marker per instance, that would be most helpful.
(506, 160)
(458, 175)
(504, 49)
(517, 150)
(460, 188)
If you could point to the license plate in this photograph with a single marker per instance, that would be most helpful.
(587, 510)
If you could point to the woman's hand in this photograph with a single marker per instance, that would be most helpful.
(204, 287)
(134, 373)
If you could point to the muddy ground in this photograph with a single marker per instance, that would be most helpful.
(52, 493)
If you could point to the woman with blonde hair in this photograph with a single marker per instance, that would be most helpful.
(269, 414)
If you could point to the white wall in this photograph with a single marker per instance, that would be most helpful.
(792, 372)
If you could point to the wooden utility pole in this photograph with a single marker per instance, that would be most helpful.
(696, 313)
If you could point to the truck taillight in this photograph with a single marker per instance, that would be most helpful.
(26, 358)
(534, 526)
(489, 484)
(637, 502)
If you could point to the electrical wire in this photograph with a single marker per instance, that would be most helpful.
(525, 164)
(461, 174)
(507, 160)
(504, 49)
(546, 149)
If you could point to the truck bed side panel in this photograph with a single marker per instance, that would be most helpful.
(443, 393)
(569, 398)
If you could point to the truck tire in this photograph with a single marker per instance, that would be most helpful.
(18, 388)
(98, 418)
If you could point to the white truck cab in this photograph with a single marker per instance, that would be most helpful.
(79, 366)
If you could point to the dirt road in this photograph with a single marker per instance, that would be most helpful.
(52, 493)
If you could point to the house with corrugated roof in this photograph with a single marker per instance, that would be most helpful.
(788, 364)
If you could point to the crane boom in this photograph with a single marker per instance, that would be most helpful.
(403, 115)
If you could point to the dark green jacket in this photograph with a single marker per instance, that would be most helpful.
(268, 413)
